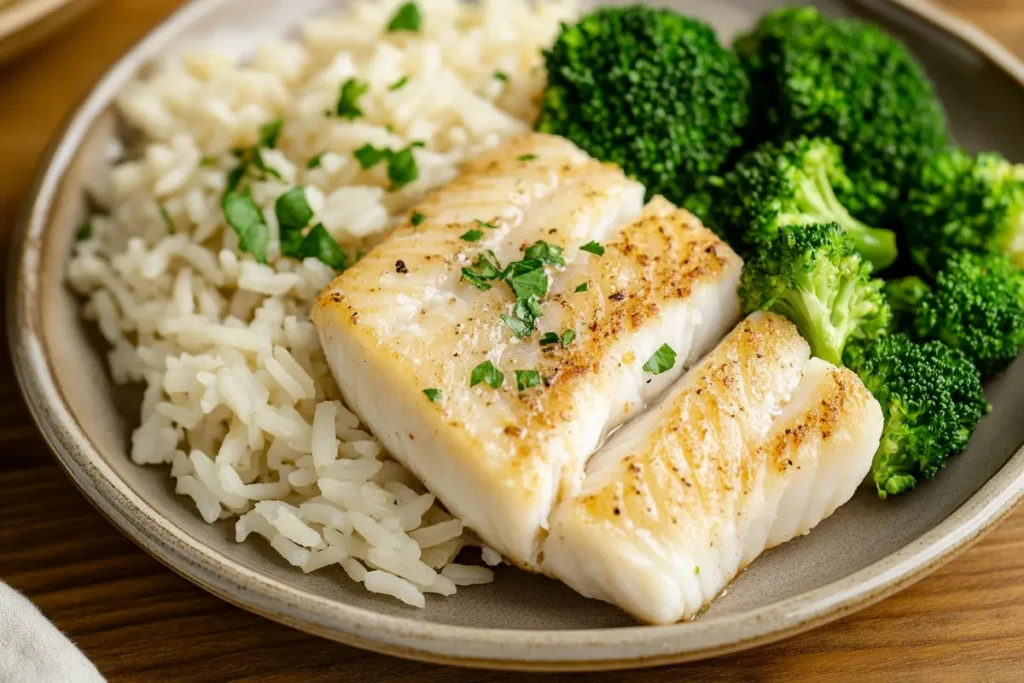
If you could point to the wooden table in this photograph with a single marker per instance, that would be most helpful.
(138, 621)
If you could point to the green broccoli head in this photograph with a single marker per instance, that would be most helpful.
(650, 90)
(962, 202)
(853, 83)
(904, 297)
(931, 398)
(977, 306)
(813, 275)
(793, 183)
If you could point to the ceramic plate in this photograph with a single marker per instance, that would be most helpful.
(866, 551)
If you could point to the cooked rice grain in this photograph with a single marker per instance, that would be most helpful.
(239, 400)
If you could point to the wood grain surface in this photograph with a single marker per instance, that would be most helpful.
(140, 622)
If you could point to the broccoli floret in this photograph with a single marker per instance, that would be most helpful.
(851, 82)
(650, 90)
(904, 297)
(793, 183)
(931, 400)
(962, 202)
(813, 275)
(977, 306)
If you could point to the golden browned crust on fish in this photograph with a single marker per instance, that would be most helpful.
(698, 456)
(844, 394)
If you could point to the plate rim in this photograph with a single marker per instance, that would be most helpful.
(517, 649)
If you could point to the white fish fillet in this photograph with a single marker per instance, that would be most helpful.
(753, 447)
(402, 321)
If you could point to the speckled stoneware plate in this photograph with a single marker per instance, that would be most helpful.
(868, 550)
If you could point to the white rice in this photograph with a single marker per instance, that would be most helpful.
(239, 401)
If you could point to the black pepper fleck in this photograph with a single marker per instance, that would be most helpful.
(400, 267)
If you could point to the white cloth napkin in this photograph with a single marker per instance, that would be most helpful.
(32, 650)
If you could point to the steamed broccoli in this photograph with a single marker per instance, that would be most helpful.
(650, 90)
(931, 400)
(961, 202)
(904, 297)
(793, 183)
(853, 83)
(976, 306)
(813, 275)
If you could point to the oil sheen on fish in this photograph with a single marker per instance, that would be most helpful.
(404, 320)
(754, 446)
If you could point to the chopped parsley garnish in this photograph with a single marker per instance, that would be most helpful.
(250, 161)
(524, 316)
(484, 224)
(270, 132)
(696, 570)
(84, 231)
(293, 215)
(167, 219)
(550, 338)
(582, 288)
(472, 235)
(417, 218)
(369, 156)
(348, 99)
(593, 248)
(236, 175)
(475, 279)
(399, 84)
(520, 328)
(545, 253)
(402, 168)
(407, 18)
(487, 374)
(320, 245)
(663, 360)
(206, 161)
(485, 269)
(433, 394)
(527, 278)
(527, 379)
(501, 76)
(246, 220)
(527, 157)
(315, 161)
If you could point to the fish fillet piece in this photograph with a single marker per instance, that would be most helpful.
(402, 321)
(754, 446)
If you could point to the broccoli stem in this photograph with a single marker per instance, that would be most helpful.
(821, 205)
(814, 320)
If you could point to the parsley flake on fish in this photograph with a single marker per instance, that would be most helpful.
(663, 360)
(527, 379)
(486, 373)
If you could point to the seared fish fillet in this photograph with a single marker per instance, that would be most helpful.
(754, 446)
(402, 321)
